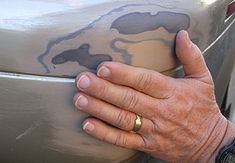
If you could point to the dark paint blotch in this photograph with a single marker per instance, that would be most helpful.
(136, 22)
(77, 33)
(82, 56)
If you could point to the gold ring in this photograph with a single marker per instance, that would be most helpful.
(138, 123)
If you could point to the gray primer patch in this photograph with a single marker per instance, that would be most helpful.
(134, 23)
(82, 56)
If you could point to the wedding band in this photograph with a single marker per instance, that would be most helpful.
(138, 123)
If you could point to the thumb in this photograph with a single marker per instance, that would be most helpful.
(190, 56)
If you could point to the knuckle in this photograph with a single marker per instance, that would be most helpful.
(105, 137)
(123, 120)
(144, 81)
(121, 140)
(162, 108)
(198, 58)
(129, 99)
(102, 90)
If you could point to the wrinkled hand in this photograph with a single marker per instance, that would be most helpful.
(181, 118)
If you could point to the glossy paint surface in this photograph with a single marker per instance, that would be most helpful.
(55, 40)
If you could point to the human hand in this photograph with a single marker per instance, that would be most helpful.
(181, 118)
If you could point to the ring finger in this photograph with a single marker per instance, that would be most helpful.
(111, 114)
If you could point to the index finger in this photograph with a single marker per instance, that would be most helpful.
(147, 81)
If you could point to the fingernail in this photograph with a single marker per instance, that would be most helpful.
(88, 127)
(103, 71)
(187, 38)
(83, 82)
(81, 102)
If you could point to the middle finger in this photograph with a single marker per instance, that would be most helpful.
(120, 96)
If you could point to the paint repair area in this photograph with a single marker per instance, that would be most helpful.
(135, 23)
(118, 35)
(81, 56)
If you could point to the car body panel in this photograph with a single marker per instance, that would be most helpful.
(230, 100)
(37, 118)
(49, 37)
(34, 124)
